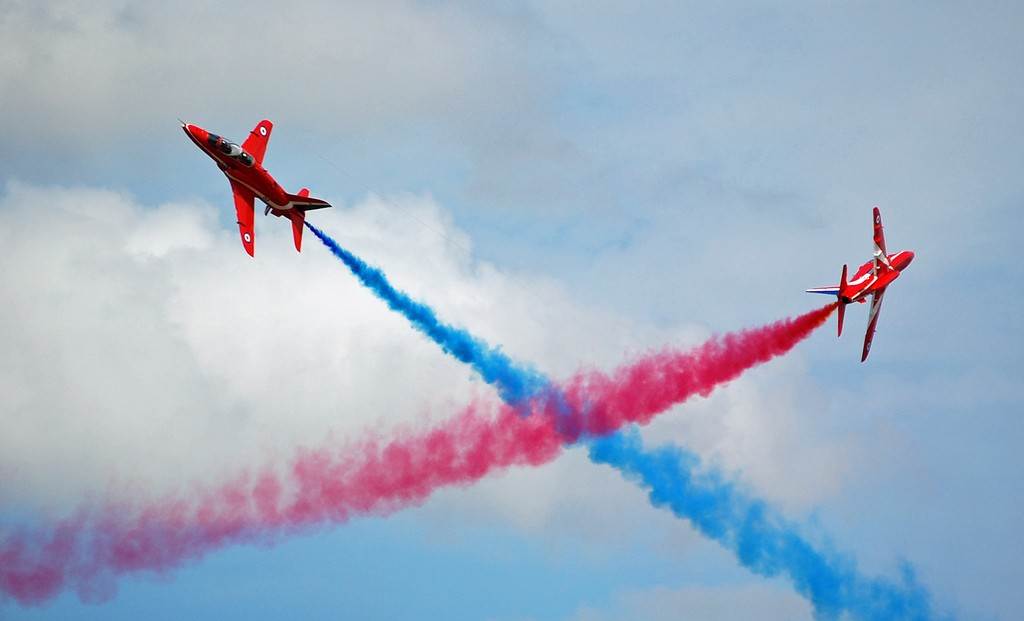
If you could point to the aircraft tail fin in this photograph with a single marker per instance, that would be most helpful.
(842, 303)
(298, 219)
(302, 202)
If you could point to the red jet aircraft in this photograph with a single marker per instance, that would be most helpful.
(249, 180)
(871, 279)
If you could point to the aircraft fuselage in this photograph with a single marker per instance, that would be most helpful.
(240, 167)
(868, 280)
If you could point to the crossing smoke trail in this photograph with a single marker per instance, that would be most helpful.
(762, 541)
(89, 550)
(329, 486)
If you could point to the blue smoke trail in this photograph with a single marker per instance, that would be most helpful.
(761, 539)
(515, 383)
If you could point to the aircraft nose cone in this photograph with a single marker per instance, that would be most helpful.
(198, 133)
(907, 258)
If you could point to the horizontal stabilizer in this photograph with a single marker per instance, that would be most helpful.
(834, 290)
(304, 202)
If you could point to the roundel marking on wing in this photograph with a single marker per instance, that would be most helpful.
(263, 130)
(247, 237)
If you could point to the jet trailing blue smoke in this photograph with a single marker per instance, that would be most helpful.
(760, 538)
(515, 383)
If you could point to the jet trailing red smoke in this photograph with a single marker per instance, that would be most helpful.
(372, 477)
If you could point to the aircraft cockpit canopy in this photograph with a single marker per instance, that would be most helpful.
(230, 149)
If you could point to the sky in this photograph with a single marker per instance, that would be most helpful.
(578, 183)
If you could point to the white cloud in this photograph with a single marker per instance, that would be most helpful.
(169, 227)
(149, 351)
(146, 347)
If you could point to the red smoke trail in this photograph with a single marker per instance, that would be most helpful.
(371, 477)
(637, 392)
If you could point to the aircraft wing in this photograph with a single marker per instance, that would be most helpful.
(879, 234)
(876, 304)
(881, 259)
(244, 210)
(256, 144)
